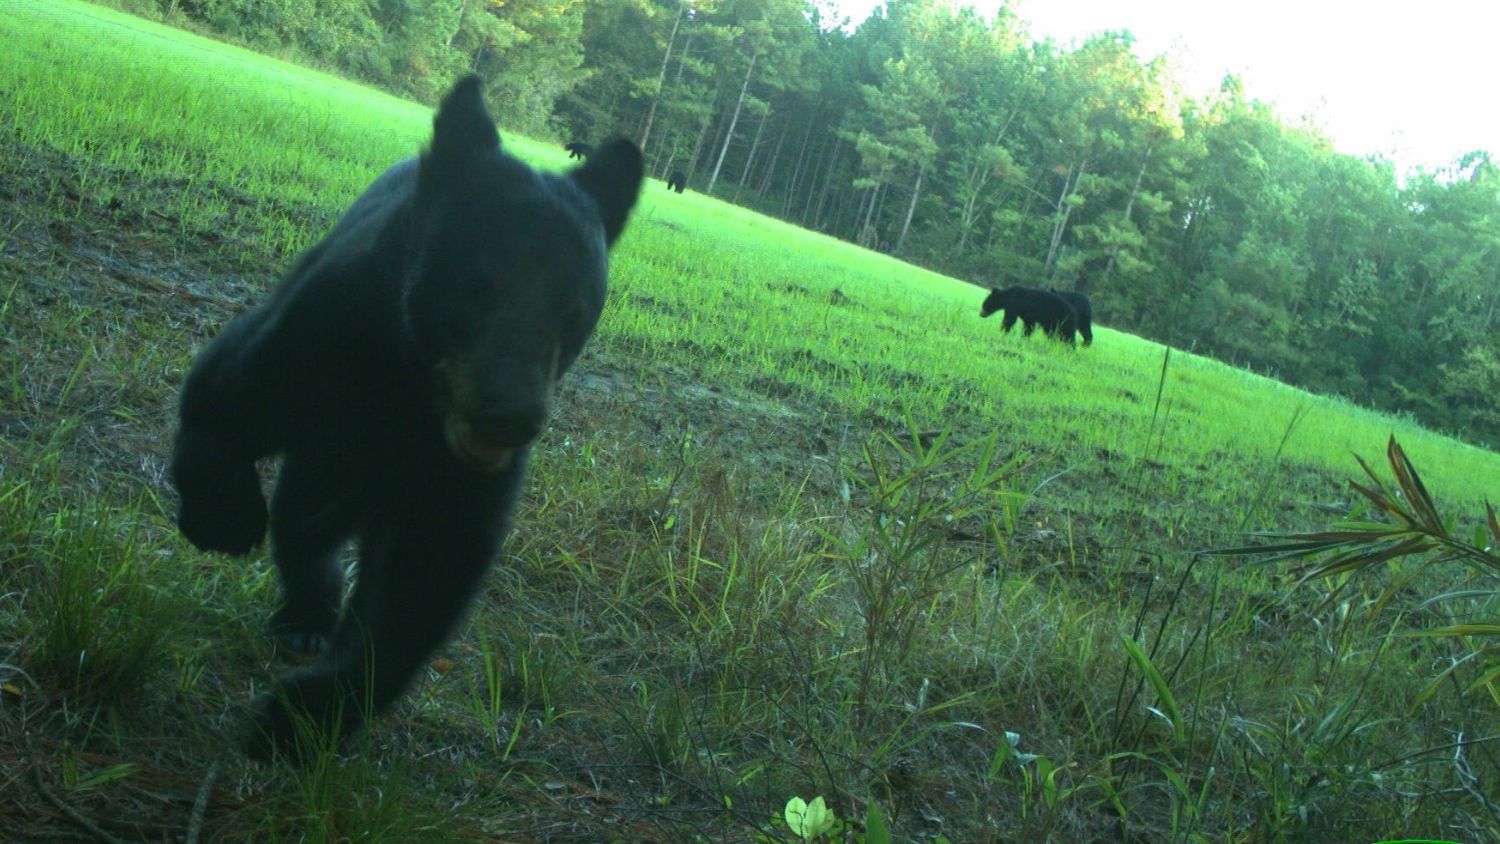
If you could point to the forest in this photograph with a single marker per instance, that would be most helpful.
(963, 145)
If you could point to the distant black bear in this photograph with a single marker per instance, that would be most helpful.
(403, 370)
(1034, 308)
(677, 181)
(578, 149)
(1085, 310)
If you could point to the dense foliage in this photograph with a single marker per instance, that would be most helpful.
(964, 145)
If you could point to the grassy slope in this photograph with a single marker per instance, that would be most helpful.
(699, 606)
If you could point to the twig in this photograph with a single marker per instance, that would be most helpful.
(73, 814)
(1456, 745)
(1469, 780)
(200, 805)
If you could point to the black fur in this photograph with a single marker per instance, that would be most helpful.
(677, 181)
(402, 371)
(578, 149)
(1034, 308)
(1085, 310)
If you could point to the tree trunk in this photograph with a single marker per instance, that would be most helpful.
(462, 7)
(978, 177)
(1084, 282)
(828, 146)
(1489, 315)
(1135, 189)
(827, 182)
(733, 120)
(1064, 210)
(765, 181)
(702, 135)
(687, 48)
(911, 208)
(750, 159)
(671, 158)
(796, 180)
(968, 213)
(867, 234)
(661, 77)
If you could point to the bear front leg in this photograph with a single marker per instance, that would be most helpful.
(221, 507)
(313, 511)
(415, 583)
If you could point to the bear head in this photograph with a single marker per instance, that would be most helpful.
(510, 276)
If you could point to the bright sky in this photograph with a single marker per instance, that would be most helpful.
(1415, 82)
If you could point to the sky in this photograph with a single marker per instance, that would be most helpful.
(1414, 82)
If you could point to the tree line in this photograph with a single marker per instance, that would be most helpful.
(963, 144)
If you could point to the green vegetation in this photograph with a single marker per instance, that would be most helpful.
(960, 144)
(805, 527)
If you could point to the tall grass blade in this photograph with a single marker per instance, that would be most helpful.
(1163, 693)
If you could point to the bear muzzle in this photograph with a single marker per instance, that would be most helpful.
(492, 440)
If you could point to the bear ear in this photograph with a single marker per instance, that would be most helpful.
(461, 130)
(613, 178)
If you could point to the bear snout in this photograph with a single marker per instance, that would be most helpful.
(508, 429)
(492, 439)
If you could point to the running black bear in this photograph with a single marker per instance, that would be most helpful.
(402, 370)
(578, 149)
(677, 181)
(1034, 308)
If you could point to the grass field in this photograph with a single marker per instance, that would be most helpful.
(804, 526)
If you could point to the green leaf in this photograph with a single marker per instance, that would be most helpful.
(1163, 693)
(1047, 776)
(875, 829)
(1413, 488)
(1002, 752)
(102, 776)
(795, 814)
(1459, 630)
(1486, 681)
(808, 820)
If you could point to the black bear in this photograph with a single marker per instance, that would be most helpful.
(1085, 310)
(402, 370)
(677, 181)
(578, 149)
(1034, 308)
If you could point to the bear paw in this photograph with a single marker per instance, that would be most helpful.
(301, 719)
(229, 517)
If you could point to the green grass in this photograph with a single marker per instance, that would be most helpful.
(805, 525)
